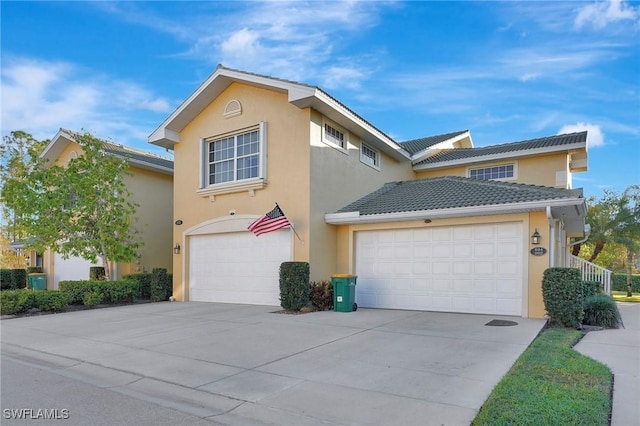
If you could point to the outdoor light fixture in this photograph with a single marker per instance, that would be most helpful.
(535, 237)
(176, 249)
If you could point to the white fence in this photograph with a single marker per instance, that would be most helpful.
(592, 272)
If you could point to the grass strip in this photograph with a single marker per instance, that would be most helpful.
(621, 296)
(551, 384)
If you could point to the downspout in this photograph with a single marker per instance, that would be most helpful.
(587, 233)
(552, 238)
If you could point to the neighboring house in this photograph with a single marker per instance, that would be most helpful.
(151, 186)
(428, 224)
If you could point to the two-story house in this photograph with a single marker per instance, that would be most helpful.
(428, 224)
(151, 187)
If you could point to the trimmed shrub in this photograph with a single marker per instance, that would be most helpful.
(562, 296)
(160, 288)
(34, 270)
(97, 273)
(19, 278)
(6, 279)
(619, 282)
(92, 298)
(591, 288)
(14, 301)
(294, 285)
(601, 310)
(77, 289)
(50, 300)
(321, 295)
(144, 283)
(118, 291)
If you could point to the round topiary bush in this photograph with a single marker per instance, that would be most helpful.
(601, 310)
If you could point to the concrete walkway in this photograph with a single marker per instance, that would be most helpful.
(239, 364)
(619, 349)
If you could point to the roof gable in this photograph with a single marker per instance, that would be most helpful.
(142, 159)
(299, 94)
(417, 145)
(558, 143)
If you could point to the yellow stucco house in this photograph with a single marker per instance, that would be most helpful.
(428, 224)
(151, 186)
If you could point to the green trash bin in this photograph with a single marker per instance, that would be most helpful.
(344, 292)
(37, 281)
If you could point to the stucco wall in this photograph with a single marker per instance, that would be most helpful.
(287, 169)
(539, 170)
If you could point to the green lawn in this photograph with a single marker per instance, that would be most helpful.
(551, 384)
(621, 296)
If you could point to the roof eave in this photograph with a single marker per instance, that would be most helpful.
(428, 152)
(354, 218)
(502, 156)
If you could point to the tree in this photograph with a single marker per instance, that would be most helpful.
(81, 210)
(615, 220)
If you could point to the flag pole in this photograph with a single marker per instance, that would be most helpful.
(291, 225)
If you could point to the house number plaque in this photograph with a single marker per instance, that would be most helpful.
(538, 251)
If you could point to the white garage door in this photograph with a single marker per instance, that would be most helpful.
(73, 268)
(474, 269)
(238, 267)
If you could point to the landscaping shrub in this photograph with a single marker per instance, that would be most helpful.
(14, 301)
(50, 300)
(321, 295)
(562, 296)
(160, 288)
(619, 282)
(144, 283)
(92, 298)
(97, 273)
(294, 285)
(118, 291)
(591, 288)
(34, 270)
(19, 278)
(6, 279)
(76, 290)
(601, 310)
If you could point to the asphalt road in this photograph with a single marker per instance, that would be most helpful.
(42, 397)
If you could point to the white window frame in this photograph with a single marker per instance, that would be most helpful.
(366, 159)
(514, 167)
(207, 189)
(329, 140)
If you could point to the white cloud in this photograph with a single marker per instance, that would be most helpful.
(595, 137)
(601, 14)
(39, 97)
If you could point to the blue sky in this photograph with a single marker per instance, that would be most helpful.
(507, 71)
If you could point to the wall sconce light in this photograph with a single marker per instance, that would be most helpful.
(176, 249)
(535, 237)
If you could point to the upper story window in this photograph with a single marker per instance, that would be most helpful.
(504, 172)
(233, 159)
(369, 156)
(334, 135)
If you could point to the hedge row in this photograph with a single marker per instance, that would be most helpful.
(110, 291)
(619, 282)
(156, 286)
(12, 279)
(17, 301)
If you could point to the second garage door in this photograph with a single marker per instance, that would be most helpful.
(237, 267)
(471, 268)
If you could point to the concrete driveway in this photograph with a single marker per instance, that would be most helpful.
(239, 364)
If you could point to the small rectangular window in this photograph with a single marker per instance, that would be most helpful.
(334, 135)
(369, 156)
(504, 172)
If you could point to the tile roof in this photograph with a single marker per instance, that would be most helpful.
(130, 153)
(451, 192)
(417, 145)
(462, 153)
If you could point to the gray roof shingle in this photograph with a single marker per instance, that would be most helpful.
(513, 147)
(451, 192)
(417, 145)
(130, 153)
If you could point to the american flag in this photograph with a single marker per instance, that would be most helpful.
(271, 221)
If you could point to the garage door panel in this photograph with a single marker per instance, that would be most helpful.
(237, 267)
(471, 268)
